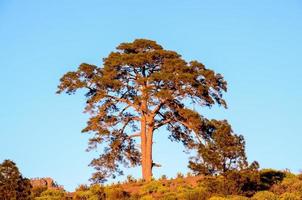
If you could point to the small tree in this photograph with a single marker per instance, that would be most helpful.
(221, 150)
(12, 184)
(139, 89)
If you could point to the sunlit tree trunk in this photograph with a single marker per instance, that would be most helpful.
(146, 147)
(149, 160)
(143, 147)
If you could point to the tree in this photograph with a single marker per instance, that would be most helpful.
(221, 150)
(12, 184)
(140, 88)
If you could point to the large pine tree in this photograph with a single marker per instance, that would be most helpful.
(139, 89)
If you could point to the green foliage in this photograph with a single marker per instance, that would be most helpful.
(12, 185)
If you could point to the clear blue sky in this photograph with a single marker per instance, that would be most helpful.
(256, 45)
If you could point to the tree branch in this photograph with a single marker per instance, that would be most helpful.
(126, 101)
(135, 135)
(158, 107)
(160, 124)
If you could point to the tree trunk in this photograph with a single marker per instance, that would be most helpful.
(146, 149)
(143, 147)
(149, 160)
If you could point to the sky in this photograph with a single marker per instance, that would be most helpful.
(255, 44)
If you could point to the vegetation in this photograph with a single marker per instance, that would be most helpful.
(139, 89)
(250, 186)
(12, 184)
(220, 152)
(249, 183)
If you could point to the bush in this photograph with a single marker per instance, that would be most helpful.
(37, 191)
(290, 183)
(94, 192)
(147, 197)
(116, 193)
(218, 198)
(152, 187)
(130, 179)
(169, 196)
(290, 196)
(265, 195)
(235, 197)
(233, 183)
(52, 194)
(196, 193)
(269, 177)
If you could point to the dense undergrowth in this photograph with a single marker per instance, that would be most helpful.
(249, 184)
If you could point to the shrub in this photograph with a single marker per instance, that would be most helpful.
(265, 195)
(151, 187)
(94, 192)
(37, 191)
(169, 196)
(269, 177)
(290, 196)
(163, 177)
(116, 193)
(291, 184)
(218, 198)
(130, 179)
(147, 197)
(179, 175)
(196, 193)
(52, 194)
(236, 197)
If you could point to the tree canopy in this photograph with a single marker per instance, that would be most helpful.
(12, 185)
(140, 88)
(220, 152)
